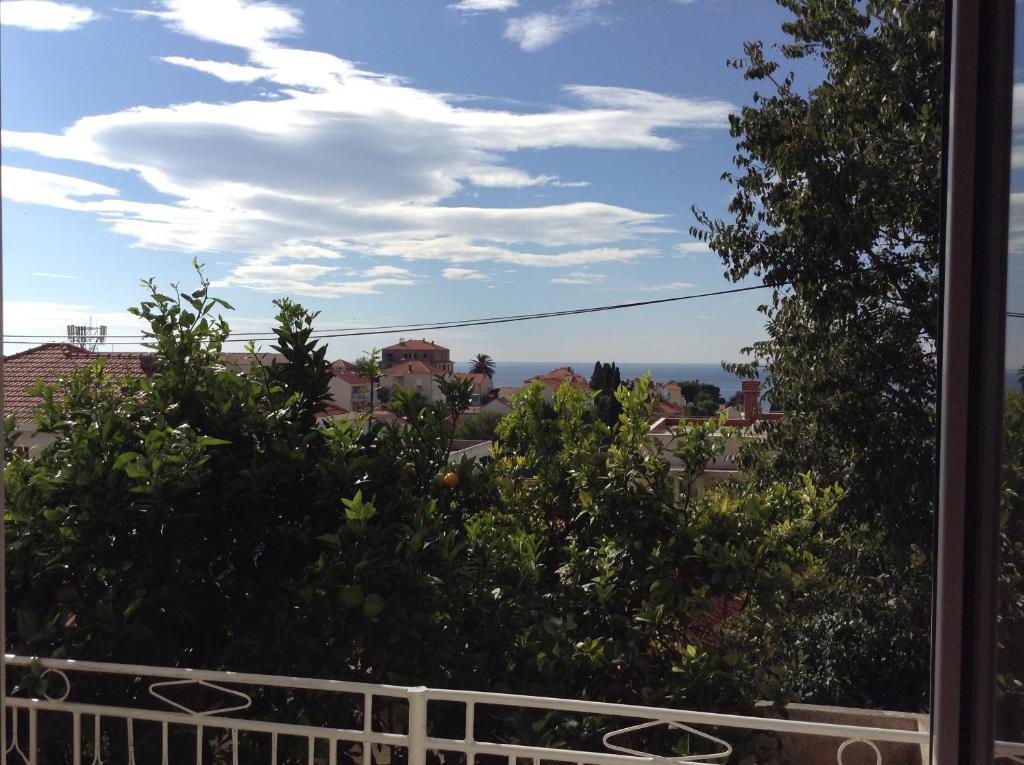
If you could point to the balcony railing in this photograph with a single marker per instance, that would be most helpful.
(172, 715)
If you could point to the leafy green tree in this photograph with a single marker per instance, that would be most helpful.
(837, 202)
(606, 380)
(244, 534)
(482, 426)
(483, 364)
(369, 368)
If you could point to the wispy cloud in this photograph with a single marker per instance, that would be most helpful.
(579, 277)
(241, 23)
(539, 30)
(378, 271)
(692, 247)
(222, 70)
(45, 275)
(463, 274)
(352, 163)
(666, 287)
(477, 6)
(44, 15)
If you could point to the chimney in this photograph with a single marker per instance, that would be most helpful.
(751, 393)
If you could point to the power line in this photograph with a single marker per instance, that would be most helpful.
(413, 328)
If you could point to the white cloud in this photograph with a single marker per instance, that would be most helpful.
(46, 275)
(539, 30)
(579, 277)
(50, 189)
(33, 317)
(350, 162)
(667, 286)
(44, 15)
(222, 70)
(268, 274)
(476, 6)
(242, 23)
(463, 274)
(378, 271)
(688, 248)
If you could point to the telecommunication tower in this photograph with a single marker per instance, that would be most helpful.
(87, 336)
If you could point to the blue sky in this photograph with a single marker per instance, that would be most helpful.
(381, 162)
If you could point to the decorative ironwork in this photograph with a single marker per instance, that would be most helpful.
(117, 728)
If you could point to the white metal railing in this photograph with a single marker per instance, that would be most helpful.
(159, 718)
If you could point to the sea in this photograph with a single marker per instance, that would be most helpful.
(513, 373)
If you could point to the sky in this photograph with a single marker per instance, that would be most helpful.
(382, 162)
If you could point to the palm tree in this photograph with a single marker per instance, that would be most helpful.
(369, 368)
(482, 364)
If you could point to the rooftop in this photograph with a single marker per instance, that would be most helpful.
(411, 368)
(52, 361)
(415, 345)
(556, 377)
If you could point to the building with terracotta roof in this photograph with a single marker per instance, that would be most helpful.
(482, 385)
(416, 375)
(426, 351)
(556, 378)
(348, 389)
(49, 363)
(741, 423)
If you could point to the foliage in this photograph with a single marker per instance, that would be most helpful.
(483, 426)
(606, 381)
(694, 391)
(483, 364)
(837, 204)
(369, 368)
(1010, 676)
(240, 533)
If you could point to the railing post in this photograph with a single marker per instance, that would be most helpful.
(418, 726)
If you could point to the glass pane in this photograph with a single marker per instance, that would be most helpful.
(1010, 658)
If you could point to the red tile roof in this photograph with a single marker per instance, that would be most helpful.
(556, 377)
(667, 409)
(415, 345)
(342, 366)
(332, 410)
(478, 378)
(412, 368)
(52, 361)
(242, 361)
(351, 377)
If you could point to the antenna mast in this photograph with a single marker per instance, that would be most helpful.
(87, 336)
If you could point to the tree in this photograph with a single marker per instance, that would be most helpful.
(606, 380)
(247, 535)
(837, 204)
(368, 367)
(482, 426)
(482, 364)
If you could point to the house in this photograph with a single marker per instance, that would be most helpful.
(482, 385)
(556, 378)
(497, 405)
(723, 466)
(243, 362)
(348, 390)
(674, 394)
(49, 363)
(426, 351)
(416, 375)
(331, 412)
(478, 450)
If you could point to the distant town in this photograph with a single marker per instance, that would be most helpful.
(418, 365)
